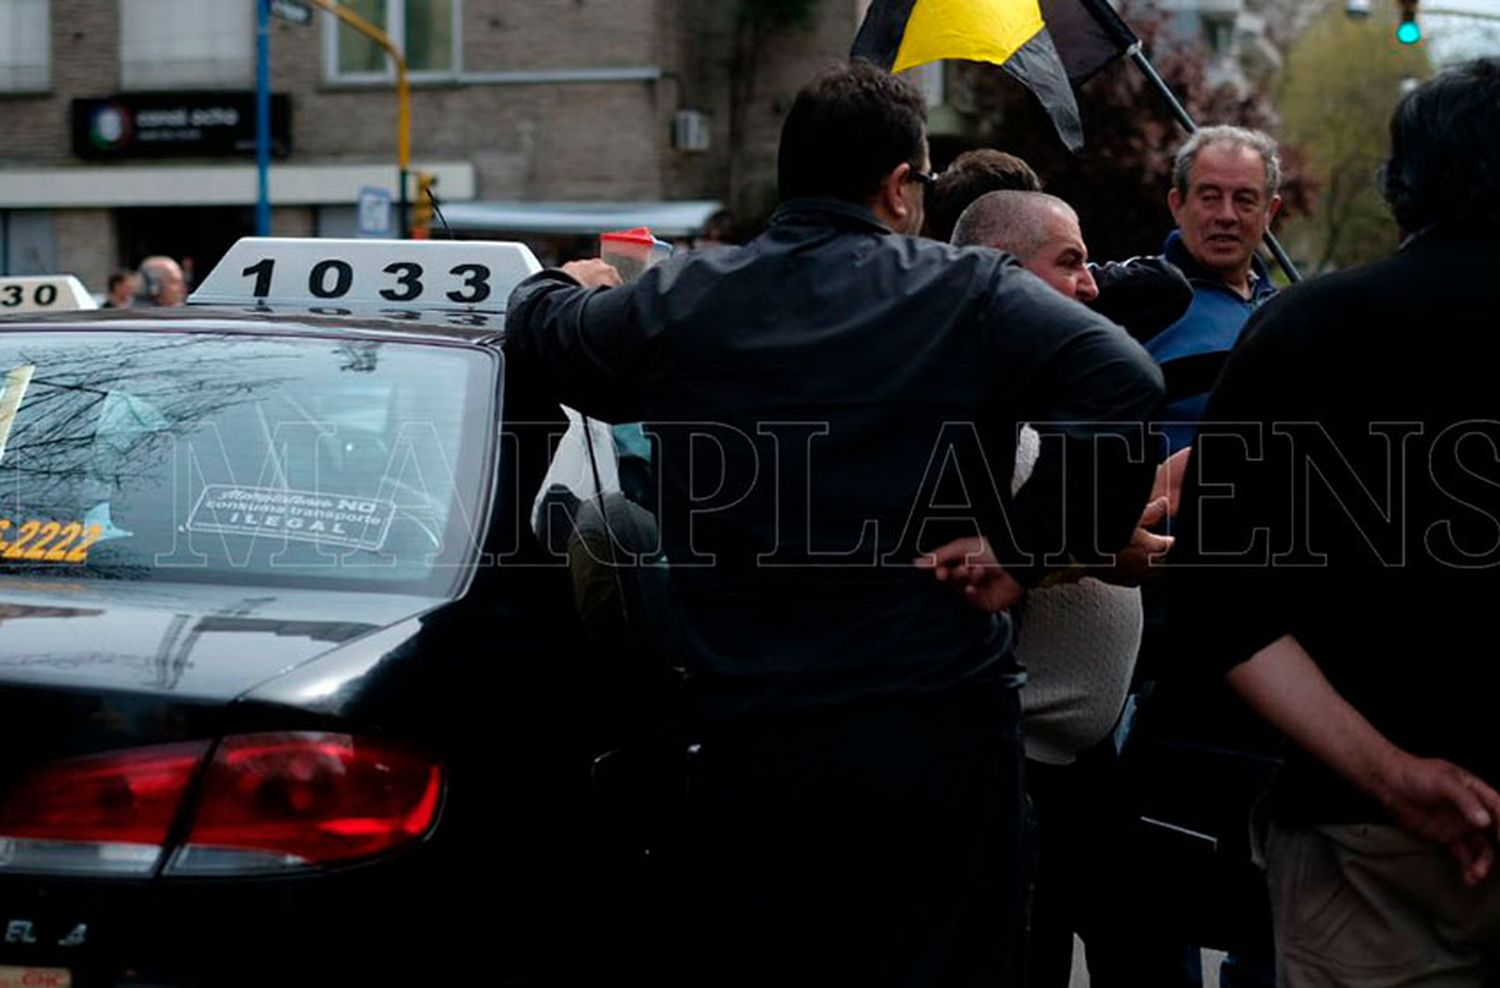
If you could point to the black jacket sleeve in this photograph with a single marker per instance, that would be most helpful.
(1090, 391)
(1228, 599)
(580, 345)
(1143, 294)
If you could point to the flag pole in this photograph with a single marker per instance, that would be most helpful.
(1138, 56)
(1142, 62)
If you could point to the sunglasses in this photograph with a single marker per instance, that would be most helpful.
(929, 180)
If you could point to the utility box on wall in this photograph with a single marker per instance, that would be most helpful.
(690, 131)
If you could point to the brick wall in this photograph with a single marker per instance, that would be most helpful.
(696, 38)
(85, 62)
(87, 245)
(527, 141)
(553, 34)
(291, 221)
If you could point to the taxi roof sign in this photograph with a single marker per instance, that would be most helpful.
(413, 274)
(44, 293)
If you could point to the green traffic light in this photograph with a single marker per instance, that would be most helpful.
(1409, 33)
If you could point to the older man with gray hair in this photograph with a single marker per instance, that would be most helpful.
(1225, 182)
(1224, 194)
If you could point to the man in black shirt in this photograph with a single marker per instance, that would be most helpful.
(1337, 554)
(970, 176)
(828, 402)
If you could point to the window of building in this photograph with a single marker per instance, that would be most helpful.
(25, 46)
(929, 80)
(161, 47)
(428, 31)
(1219, 34)
(28, 242)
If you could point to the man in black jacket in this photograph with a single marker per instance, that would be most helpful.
(1337, 556)
(970, 176)
(829, 401)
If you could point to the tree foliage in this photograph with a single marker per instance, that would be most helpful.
(1343, 78)
(757, 26)
(1119, 182)
(776, 14)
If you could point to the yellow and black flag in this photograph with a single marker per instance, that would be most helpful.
(1048, 45)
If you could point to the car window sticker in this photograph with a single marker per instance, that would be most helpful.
(305, 516)
(37, 540)
(99, 516)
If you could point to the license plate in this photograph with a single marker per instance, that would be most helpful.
(35, 977)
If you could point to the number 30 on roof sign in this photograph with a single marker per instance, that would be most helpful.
(419, 274)
(46, 293)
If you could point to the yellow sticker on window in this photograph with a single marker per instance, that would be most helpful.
(47, 541)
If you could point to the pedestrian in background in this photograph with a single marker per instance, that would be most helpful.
(123, 287)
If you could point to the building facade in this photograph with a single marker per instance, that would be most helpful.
(1244, 39)
(130, 123)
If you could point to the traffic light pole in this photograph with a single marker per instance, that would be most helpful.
(263, 118)
(403, 100)
(1409, 12)
(1456, 12)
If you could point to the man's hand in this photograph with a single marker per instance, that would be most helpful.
(592, 273)
(1141, 559)
(1429, 798)
(1169, 480)
(970, 565)
(1438, 801)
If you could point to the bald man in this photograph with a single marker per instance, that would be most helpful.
(1078, 643)
(162, 282)
(1041, 231)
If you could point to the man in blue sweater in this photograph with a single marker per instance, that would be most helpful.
(1223, 197)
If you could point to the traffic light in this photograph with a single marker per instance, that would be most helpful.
(421, 209)
(1408, 32)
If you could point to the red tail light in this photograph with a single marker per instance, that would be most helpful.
(272, 801)
(266, 802)
(103, 812)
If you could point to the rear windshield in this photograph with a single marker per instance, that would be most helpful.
(240, 459)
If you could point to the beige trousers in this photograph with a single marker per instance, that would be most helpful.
(1369, 906)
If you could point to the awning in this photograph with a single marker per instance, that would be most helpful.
(665, 219)
(110, 186)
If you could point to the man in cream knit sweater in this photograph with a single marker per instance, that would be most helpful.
(1078, 639)
(1078, 643)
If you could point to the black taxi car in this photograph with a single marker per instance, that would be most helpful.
(289, 694)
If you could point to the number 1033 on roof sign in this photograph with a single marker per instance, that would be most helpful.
(418, 274)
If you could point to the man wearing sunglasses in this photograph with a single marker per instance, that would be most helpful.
(820, 395)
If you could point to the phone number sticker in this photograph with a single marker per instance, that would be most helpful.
(47, 541)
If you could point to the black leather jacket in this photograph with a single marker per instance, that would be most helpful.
(827, 401)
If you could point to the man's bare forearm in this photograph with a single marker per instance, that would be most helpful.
(1286, 687)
